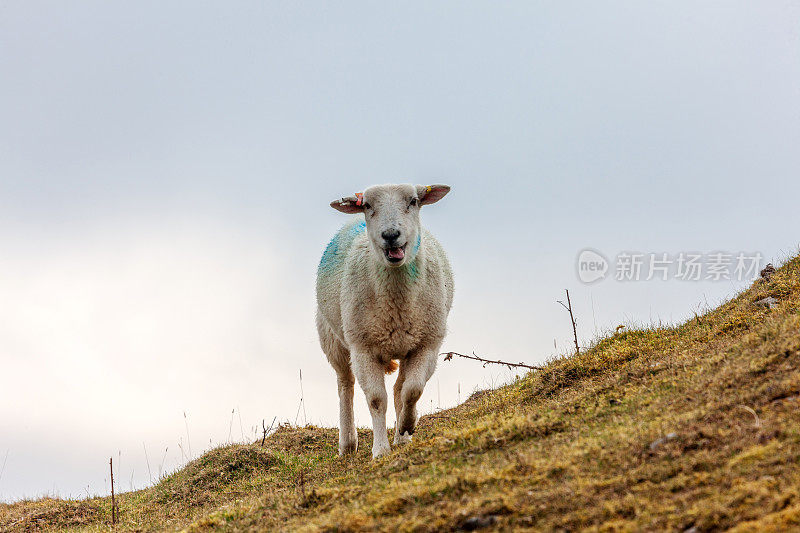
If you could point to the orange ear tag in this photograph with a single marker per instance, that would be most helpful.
(359, 199)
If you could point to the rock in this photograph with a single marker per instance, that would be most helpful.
(767, 272)
(477, 522)
(768, 302)
(658, 442)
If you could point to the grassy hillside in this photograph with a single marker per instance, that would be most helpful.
(695, 428)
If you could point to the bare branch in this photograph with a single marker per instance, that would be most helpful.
(264, 438)
(449, 355)
(568, 307)
(113, 499)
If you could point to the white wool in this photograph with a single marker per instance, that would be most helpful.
(372, 308)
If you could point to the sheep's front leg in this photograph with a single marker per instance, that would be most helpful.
(418, 370)
(369, 373)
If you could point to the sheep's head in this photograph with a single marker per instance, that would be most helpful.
(392, 216)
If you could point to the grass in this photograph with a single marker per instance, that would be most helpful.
(694, 426)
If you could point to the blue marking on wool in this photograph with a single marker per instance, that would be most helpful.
(412, 269)
(337, 248)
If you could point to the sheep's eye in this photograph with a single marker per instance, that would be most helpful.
(367, 206)
(413, 202)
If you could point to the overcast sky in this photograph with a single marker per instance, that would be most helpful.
(166, 169)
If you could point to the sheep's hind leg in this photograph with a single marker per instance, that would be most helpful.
(398, 404)
(418, 371)
(369, 373)
(339, 358)
(348, 436)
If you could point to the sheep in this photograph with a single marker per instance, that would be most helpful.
(384, 290)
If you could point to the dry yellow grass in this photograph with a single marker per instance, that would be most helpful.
(696, 426)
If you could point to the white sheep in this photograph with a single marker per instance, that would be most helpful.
(384, 290)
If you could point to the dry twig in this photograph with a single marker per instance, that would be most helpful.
(113, 499)
(264, 427)
(449, 355)
(568, 307)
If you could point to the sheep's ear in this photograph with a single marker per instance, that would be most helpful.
(350, 204)
(430, 194)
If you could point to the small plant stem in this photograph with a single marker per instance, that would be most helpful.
(147, 459)
(188, 440)
(303, 398)
(302, 403)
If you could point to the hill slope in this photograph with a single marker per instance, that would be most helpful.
(693, 427)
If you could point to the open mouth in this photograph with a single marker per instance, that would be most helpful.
(395, 254)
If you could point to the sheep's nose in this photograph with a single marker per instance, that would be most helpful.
(390, 235)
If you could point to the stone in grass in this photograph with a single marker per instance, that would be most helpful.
(768, 272)
(768, 302)
(477, 522)
(658, 442)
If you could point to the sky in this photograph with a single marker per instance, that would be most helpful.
(166, 170)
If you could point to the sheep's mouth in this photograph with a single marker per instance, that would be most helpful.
(395, 254)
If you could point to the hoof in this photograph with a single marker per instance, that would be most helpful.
(348, 449)
(382, 450)
(348, 445)
(405, 438)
